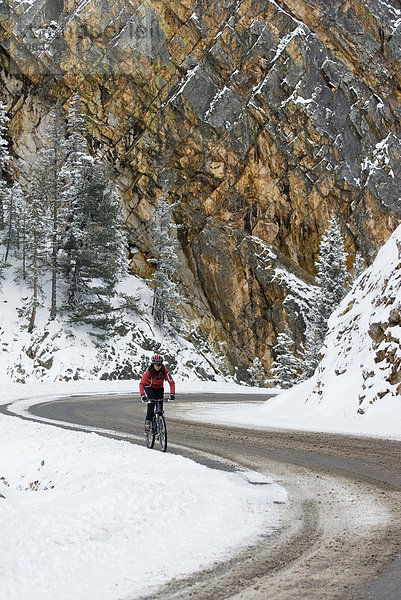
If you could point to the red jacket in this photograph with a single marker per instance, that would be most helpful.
(156, 382)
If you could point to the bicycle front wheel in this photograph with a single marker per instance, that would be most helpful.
(150, 437)
(162, 431)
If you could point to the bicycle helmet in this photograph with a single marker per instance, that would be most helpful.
(157, 359)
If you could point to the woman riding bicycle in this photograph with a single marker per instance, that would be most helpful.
(151, 387)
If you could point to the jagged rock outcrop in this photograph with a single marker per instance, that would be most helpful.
(258, 118)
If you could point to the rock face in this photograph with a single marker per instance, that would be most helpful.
(257, 118)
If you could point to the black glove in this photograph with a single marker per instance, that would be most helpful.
(172, 397)
(144, 398)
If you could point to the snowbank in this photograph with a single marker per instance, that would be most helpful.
(292, 410)
(87, 517)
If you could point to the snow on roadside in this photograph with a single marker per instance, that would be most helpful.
(22, 396)
(289, 410)
(87, 517)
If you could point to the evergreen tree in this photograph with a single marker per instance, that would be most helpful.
(76, 172)
(4, 153)
(331, 288)
(94, 244)
(315, 333)
(37, 244)
(359, 266)
(51, 160)
(21, 220)
(96, 249)
(4, 161)
(331, 269)
(98, 256)
(166, 298)
(256, 372)
(285, 367)
(13, 205)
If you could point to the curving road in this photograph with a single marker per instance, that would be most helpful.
(341, 534)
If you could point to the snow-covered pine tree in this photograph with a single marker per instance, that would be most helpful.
(94, 242)
(75, 172)
(285, 367)
(331, 268)
(166, 298)
(331, 288)
(13, 204)
(37, 243)
(100, 255)
(4, 161)
(21, 219)
(314, 336)
(359, 266)
(51, 160)
(257, 373)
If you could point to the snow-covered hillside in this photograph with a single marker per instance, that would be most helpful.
(59, 351)
(362, 352)
(82, 516)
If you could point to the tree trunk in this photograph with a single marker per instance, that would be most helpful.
(35, 290)
(53, 309)
(72, 297)
(24, 250)
(10, 227)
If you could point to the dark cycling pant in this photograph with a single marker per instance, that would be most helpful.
(157, 395)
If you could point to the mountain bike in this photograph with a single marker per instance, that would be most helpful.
(158, 429)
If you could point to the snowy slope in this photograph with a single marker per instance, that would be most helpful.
(362, 353)
(86, 517)
(59, 351)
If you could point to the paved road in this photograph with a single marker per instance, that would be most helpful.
(341, 535)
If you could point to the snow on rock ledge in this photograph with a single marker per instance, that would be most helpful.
(362, 352)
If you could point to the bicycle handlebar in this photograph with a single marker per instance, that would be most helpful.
(154, 401)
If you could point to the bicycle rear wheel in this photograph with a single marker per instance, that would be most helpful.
(162, 431)
(150, 437)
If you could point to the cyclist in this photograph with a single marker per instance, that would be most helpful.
(151, 387)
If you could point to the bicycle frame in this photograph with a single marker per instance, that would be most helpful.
(158, 428)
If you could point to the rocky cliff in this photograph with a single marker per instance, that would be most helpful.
(257, 118)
